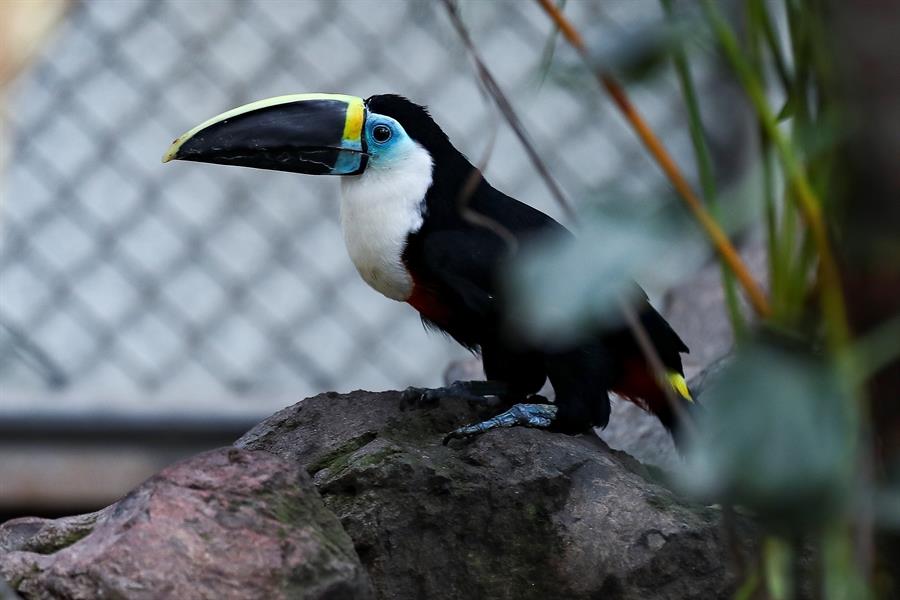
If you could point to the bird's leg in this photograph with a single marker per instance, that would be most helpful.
(527, 415)
(474, 391)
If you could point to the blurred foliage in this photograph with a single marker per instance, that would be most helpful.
(785, 433)
(777, 437)
(567, 288)
(642, 50)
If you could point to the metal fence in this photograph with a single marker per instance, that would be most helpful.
(124, 276)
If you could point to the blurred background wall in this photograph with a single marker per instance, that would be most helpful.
(158, 306)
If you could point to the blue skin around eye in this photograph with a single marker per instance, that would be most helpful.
(380, 153)
(390, 150)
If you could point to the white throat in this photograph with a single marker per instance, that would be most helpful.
(379, 209)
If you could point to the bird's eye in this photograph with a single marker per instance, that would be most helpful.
(381, 133)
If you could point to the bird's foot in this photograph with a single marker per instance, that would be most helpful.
(473, 391)
(527, 415)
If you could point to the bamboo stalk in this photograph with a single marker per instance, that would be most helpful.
(720, 241)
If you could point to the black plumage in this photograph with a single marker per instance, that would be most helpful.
(457, 266)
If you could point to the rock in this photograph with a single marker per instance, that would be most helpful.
(228, 523)
(515, 513)
(640, 434)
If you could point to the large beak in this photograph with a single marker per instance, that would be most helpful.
(318, 134)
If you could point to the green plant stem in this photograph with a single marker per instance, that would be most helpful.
(789, 245)
(776, 277)
(791, 257)
(776, 557)
(832, 298)
(823, 67)
(748, 589)
(759, 15)
(801, 52)
(873, 351)
(705, 171)
(549, 48)
(759, 23)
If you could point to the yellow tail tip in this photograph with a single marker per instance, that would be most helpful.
(676, 380)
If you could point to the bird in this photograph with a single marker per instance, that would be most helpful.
(407, 196)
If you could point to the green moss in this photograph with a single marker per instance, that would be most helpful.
(292, 509)
(48, 544)
(376, 458)
(669, 503)
(340, 456)
(285, 508)
(660, 501)
(656, 475)
(525, 532)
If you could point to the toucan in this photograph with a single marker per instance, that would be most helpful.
(407, 200)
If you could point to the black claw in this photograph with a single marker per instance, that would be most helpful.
(410, 394)
(419, 396)
(455, 435)
(477, 392)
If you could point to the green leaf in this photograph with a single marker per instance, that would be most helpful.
(641, 50)
(777, 436)
(788, 109)
(564, 289)
(776, 565)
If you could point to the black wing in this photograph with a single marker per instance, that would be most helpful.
(459, 262)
